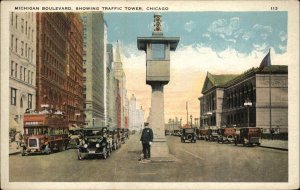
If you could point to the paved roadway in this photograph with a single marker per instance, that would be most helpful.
(197, 162)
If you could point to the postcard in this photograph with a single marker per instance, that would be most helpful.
(149, 95)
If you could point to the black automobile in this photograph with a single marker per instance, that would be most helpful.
(113, 136)
(94, 143)
(188, 134)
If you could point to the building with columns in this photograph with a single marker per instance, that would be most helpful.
(94, 68)
(264, 90)
(22, 66)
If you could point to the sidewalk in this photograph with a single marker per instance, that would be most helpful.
(275, 144)
(13, 148)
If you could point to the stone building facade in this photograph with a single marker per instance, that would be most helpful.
(121, 91)
(52, 35)
(222, 103)
(111, 92)
(59, 65)
(22, 66)
(94, 50)
(74, 71)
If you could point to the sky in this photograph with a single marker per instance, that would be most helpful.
(215, 42)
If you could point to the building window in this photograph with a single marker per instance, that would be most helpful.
(158, 51)
(16, 47)
(28, 76)
(16, 21)
(13, 96)
(31, 55)
(22, 25)
(21, 102)
(26, 28)
(31, 78)
(21, 73)
(24, 74)
(29, 101)
(26, 50)
(22, 48)
(12, 68)
(16, 70)
(12, 42)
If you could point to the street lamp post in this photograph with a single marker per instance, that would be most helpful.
(248, 104)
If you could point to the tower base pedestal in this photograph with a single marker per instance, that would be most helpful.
(160, 151)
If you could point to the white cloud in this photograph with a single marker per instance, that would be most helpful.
(189, 26)
(189, 66)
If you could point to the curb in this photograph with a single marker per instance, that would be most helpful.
(13, 153)
(276, 148)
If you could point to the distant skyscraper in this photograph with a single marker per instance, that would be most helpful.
(136, 116)
(94, 64)
(121, 83)
(22, 65)
(111, 93)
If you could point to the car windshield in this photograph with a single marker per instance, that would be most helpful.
(92, 132)
(189, 130)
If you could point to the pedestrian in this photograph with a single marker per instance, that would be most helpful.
(146, 140)
(272, 133)
(17, 138)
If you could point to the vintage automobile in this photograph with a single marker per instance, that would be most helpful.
(248, 136)
(226, 135)
(126, 133)
(202, 134)
(44, 132)
(188, 134)
(115, 140)
(212, 135)
(75, 136)
(122, 135)
(94, 143)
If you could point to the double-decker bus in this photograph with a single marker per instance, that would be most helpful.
(44, 133)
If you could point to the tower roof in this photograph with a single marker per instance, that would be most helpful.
(118, 56)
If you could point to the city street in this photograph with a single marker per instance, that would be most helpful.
(196, 162)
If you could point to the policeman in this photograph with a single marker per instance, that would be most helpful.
(146, 140)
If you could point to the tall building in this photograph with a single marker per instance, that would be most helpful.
(59, 65)
(94, 64)
(256, 98)
(22, 65)
(121, 91)
(74, 71)
(111, 92)
(52, 35)
(136, 116)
